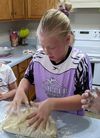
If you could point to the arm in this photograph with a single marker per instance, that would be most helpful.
(20, 96)
(22, 90)
(70, 103)
(9, 95)
(24, 85)
(51, 104)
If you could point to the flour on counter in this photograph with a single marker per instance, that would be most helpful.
(18, 125)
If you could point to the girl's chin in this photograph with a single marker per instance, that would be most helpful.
(52, 58)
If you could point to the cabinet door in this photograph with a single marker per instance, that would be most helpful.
(36, 8)
(56, 3)
(22, 66)
(5, 9)
(19, 71)
(52, 4)
(19, 9)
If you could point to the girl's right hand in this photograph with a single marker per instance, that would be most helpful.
(15, 105)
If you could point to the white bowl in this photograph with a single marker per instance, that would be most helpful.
(5, 51)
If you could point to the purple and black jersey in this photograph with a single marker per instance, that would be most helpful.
(70, 77)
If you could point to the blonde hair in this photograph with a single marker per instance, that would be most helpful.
(54, 22)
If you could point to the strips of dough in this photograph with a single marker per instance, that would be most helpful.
(18, 125)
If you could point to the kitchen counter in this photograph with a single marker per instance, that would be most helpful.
(94, 59)
(69, 126)
(18, 55)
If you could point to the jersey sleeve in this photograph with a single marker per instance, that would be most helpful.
(29, 73)
(83, 76)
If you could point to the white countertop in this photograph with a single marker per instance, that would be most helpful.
(69, 126)
(17, 55)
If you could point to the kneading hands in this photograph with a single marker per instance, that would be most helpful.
(91, 101)
(38, 117)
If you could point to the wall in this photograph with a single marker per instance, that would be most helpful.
(86, 18)
(80, 18)
(5, 28)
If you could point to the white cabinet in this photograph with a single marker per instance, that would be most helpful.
(85, 3)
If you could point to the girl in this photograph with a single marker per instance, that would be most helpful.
(60, 73)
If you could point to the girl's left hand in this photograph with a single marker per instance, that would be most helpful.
(90, 101)
(40, 116)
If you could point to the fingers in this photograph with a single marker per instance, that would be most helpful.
(86, 94)
(26, 101)
(35, 104)
(14, 107)
(85, 106)
(83, 101)
(97, 92)
(33, 119)
(27, 104)
(31, 115)
(37, 121)
(10, 108)
(87, 100)
(43, 124)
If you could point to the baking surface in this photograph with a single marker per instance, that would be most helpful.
(68, 125)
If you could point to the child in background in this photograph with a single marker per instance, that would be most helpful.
(8, 84)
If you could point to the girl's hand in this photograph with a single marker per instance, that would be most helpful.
(19, 98)
(87, 99)
(40, 116)
(91, 101)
